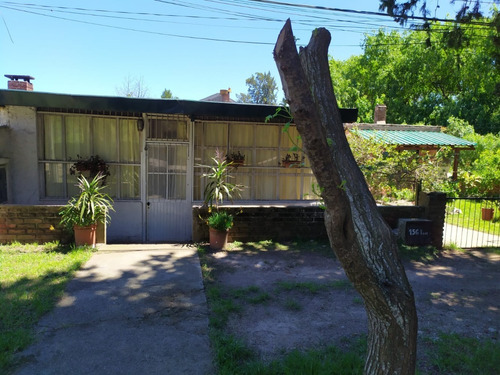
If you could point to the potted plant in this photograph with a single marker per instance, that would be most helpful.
(219, 223)
(84, 211)
(487, 213)
(217, 189)
(90, 168)
(235, 159)
(295, 162)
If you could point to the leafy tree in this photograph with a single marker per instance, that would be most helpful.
(167, 94)
(262, 89)
(479, 174)
(424, 84)
(133, 87)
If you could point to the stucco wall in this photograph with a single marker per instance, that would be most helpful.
(19, 145)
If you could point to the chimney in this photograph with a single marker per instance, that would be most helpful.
(19, 82)
(225, 95)
(379, 116)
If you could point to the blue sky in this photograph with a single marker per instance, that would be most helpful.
(193, 48)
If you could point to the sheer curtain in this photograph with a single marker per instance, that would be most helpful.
(264, 146)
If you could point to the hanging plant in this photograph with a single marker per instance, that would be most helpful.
(90, 167)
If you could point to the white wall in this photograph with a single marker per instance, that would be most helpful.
(19, 145)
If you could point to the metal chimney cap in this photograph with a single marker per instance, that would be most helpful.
(18, 77)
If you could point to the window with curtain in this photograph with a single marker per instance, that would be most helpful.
(264, 147)
(66, 137)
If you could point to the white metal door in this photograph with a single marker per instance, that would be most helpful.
(168, 200)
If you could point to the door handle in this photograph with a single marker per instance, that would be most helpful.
(148, 204)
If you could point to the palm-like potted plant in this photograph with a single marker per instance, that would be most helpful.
(84, 211)
(217, 189)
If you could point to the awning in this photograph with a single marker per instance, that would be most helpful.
(416, 139)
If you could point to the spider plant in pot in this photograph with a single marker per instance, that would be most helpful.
(84, 211)
(217, 189)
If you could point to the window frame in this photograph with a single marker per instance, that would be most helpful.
(66, 162)
(251, 172)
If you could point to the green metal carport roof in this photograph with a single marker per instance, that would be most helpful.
(417, 139)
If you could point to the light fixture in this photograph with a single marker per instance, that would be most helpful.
(140, 124)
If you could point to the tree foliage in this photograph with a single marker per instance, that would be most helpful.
(423, 83)
(479, 172)
(167, 94)
(262, 89)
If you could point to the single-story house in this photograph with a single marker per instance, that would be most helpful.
(155, 149)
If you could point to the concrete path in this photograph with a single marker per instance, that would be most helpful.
(132, 309)
(463, 237)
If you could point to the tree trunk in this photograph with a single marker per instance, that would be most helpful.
(362, 241)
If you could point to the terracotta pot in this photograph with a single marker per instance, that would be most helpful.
(85, 235)
(218, 239)
(487, 213)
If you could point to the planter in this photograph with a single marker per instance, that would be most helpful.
(291, 164)
(487, 213)
(85, 235)
(218, 239)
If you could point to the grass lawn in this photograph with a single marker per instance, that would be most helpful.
(468, 215)
(449, 353)
(32, 278)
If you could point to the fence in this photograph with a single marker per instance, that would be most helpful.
(472, 222)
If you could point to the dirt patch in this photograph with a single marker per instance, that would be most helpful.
(302, 299)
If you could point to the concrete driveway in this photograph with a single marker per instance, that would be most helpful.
(132, 309)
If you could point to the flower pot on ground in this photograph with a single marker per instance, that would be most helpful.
(85, 235)
(219, 223)
(487, 213)
(84, 211)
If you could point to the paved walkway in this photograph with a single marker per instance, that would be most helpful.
(132, 309)
(465, 238)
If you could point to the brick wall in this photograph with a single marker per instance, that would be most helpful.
(27, 224)
(286, 222)
(435, 210)
(20, 85)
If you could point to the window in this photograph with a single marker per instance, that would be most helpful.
(63, 138)
(264, 147)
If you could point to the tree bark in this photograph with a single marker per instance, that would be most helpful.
(361, 239)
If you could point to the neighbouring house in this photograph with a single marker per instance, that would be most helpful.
(420, 138)
(223, 96)
(155, 149)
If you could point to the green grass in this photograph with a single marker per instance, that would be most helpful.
(470, 216)
(454, 354)
(32, 278)
(312, 287)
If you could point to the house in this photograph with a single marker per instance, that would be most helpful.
(411, 137)
(155, 150)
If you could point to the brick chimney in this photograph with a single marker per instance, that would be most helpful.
(379, 116)
(225, 95)
(19, 82)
